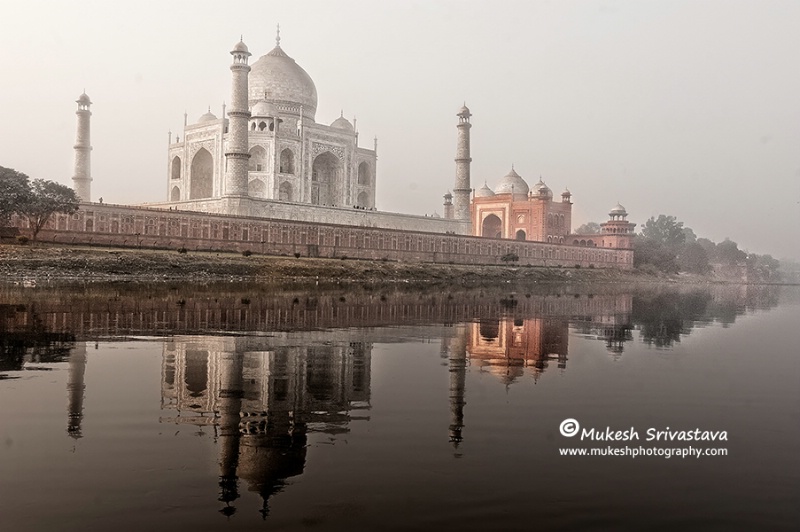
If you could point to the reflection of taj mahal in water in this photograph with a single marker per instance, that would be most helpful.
(262, 400)
(264, 396)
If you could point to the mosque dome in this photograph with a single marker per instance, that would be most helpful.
(264, 109)
(512, 183)
(484, 192)
(208, 117)
(241, 47)
(343, 123)
(83, 98)
(541, 190)
(618, 210)
(464, 111)
(278, 79)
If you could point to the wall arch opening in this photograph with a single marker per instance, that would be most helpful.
(285, 192)
(258, 159)
(364, 177)
(287, 161)
(202, 175)
(175, 194)
(326, 180)
(175, 172)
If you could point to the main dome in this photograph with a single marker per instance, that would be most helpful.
(276, 78)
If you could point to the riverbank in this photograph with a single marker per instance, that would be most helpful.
(47, 263)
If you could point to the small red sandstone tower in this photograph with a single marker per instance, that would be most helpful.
(617, 232)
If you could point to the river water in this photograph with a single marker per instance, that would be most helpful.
(243, 407)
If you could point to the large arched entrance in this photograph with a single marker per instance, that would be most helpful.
(521, 234)
(202, 177)
(492, 227)
(326, 180)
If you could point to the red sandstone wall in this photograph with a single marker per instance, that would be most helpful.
(115, 225)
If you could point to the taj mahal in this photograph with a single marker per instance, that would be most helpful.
(266, 176)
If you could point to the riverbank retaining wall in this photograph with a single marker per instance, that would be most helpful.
(142, 227)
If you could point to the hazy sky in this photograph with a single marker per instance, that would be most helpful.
(689, 108)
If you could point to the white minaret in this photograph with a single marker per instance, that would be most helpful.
(237, 153)
(462, 188)
(82, 178)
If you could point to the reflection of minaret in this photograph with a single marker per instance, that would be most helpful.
(230, 404)
(458, 375)
(75, 389)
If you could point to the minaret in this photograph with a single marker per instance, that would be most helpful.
(237, 152)
(82, 179)
(462, 188)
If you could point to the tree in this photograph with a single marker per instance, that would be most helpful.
(47, 198)
(15, 190)
(728, 253)
(590, 228)
(694, 259)
(665, 230)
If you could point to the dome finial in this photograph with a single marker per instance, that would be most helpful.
(278, 36)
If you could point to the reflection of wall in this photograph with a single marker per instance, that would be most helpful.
(507, 346)
(263, 399)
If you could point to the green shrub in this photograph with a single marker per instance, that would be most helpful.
(22, 239)
(247, 253)
(183, 250)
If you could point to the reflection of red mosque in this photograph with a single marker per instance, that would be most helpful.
(262, 402)
(507, 347)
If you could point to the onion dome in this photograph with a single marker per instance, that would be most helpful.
(512, 183)
(241, 48)
(464, 112)
(566, 193)
(208, 117)
(618, 210)
(278, 79)
(540, 190)
(264, 109)
(484, 192)
(83, 98)
(343, 123)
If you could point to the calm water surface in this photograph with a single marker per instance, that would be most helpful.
(236, 407)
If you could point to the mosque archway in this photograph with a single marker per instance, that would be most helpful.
(362, 200)
(202, 175)
(520, 235)
(492, 227)
(326, 180)
(175, 195)
(175, 172)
